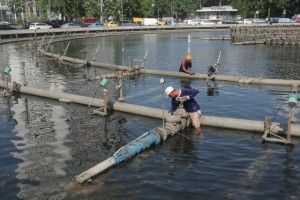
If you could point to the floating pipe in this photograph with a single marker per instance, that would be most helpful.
(246, 80)
(222, 122)
(124, 153)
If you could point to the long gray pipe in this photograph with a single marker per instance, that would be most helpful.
(246, 80)
(222, 122)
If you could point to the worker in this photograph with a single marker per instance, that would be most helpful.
(190, 104)
(186, 65)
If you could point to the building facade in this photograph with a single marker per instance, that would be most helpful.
(217, 13)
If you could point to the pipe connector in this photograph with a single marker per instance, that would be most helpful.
(163, 132)
(184, 117)
(173, 124)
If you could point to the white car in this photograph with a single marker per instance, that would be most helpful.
(248, 21)
(206, 22)
(39, 25)
(193, 22)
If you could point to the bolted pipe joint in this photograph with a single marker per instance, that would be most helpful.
(173, 124)
(184, 117)
(163, 132)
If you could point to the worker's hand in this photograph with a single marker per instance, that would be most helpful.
(192, 73)
(184, 98)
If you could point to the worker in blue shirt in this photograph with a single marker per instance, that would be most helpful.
(190, 104)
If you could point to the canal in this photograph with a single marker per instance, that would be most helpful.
(44, 143)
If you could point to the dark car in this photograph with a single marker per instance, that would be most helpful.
(16, 26)
(273, 20)
(10, 26)
(230, 21)
(54, 24)
(4, 26)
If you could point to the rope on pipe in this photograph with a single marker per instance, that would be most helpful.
(136, 147)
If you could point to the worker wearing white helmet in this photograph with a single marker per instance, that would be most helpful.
(190, 104)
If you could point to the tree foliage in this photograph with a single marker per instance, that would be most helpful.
(126, 9)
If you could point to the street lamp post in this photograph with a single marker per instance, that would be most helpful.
(153, 9)
(157, 9)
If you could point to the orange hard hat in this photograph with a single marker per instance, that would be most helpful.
(188, 57)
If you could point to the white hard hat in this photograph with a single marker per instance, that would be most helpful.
(169, 90)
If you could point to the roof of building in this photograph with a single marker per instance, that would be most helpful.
(217, 9)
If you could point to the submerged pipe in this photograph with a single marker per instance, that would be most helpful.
(222, 122)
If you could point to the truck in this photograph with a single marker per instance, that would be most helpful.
(137, 19)
(152, 22)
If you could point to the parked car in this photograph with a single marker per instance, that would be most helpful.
(176, 22)
(112, 24)
(230, 21)
(297, 20)
(54, 23)
(71, 25)
(258, 21)
(4, 26)
(285, 21)
(206, 22)
(16, 26)
(273, 20)
(39, 25)
(248, 21)
(193, 22)
(97, 24)
(10, 26)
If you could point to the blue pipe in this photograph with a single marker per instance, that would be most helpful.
(136, 147)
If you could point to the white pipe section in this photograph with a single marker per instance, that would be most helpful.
(222, 122)
(95, 170)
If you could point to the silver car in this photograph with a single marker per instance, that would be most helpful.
(39, 25)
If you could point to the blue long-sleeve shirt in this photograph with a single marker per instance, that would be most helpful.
(190, 105)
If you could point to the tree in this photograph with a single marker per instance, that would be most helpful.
(16, 7)
(92, 8)
(132, 8)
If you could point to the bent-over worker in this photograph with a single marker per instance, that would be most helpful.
(190, 104)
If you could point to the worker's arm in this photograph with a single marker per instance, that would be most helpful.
(189, 93)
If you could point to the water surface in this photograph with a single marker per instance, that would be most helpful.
(44, 143)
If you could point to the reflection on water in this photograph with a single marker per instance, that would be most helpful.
(45, 143)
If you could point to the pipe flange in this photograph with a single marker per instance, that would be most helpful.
(163, 132)
(173, 118)
(173, 128)
(181, 112)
